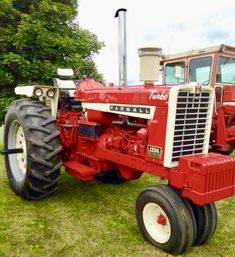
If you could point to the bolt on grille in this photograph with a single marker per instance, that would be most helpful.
(191, 123)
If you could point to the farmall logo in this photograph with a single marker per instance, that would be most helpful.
(155, 95)
(122, 108)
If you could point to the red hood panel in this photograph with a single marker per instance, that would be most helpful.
(92, 92)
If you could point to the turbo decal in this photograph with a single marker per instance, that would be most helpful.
(158, 96)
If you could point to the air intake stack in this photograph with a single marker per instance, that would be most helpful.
(149, 64)
(121, 14)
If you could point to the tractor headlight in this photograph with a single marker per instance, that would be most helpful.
(38, 92)
(50, 93)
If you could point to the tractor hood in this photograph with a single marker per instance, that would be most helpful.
(90, 91)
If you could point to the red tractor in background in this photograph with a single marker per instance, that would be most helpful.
(214, 66)
(115, 134)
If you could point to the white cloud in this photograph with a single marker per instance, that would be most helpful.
(174, 25)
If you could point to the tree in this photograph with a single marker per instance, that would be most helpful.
(37, 37)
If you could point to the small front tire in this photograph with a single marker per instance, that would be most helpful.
(164, 219)
(206, 220)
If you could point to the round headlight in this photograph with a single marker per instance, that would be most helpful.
(50, 93)
(38, 92)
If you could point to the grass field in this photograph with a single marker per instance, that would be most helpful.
(1, 135)
(91, 219)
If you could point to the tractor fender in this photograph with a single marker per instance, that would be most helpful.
(26, 90)
(29, 90)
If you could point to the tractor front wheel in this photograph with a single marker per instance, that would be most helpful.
(206, 220)
(33, 173)
(164, 219)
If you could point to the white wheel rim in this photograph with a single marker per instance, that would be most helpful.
(156, 223)
(17, 162)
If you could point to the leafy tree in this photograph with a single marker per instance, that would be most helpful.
(37, 37)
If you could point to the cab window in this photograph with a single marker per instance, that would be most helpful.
(226, 70)
(200, 70)
(175, 73)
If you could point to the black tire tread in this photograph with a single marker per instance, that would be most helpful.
(40, 129)
(51, 137)
(206, 220)
(54, 182)
(47, 122)
(41, 162)
(181, 210)
(57, 151)
(185, 212)
(43, 148)
(42, 145)
(37, 189)
(53, 170)
(44, 109)
(38, 176)
(213, 223)
(189, 209)
(36, 115)
(26, 105)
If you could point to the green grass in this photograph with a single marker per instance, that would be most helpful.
(91, 219)
(1, 136)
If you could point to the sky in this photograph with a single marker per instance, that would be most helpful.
(173, 25)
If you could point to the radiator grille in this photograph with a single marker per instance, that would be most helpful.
(191, 123)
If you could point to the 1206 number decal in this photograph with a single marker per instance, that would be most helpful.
(154, 151)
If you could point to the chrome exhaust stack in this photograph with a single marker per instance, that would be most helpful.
(122, 58)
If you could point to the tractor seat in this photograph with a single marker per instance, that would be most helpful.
(65, 83)
(67, 90)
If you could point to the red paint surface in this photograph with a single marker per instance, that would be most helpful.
(122, 144)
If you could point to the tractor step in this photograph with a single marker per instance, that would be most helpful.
(79, 170)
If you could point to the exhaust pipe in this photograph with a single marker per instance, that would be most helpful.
(122, 59)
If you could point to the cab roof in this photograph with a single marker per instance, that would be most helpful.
(194, 52)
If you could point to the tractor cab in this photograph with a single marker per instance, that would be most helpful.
(214, 66)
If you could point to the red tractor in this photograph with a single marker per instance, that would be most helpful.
(115, 134)
(214, 66)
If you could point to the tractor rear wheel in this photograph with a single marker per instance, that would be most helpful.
(164, 219)
(206, 220)
(34, 172)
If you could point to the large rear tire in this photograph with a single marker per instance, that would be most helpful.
(29, 125)
(164, 219)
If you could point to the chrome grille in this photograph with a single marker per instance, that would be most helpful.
(191, 123)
